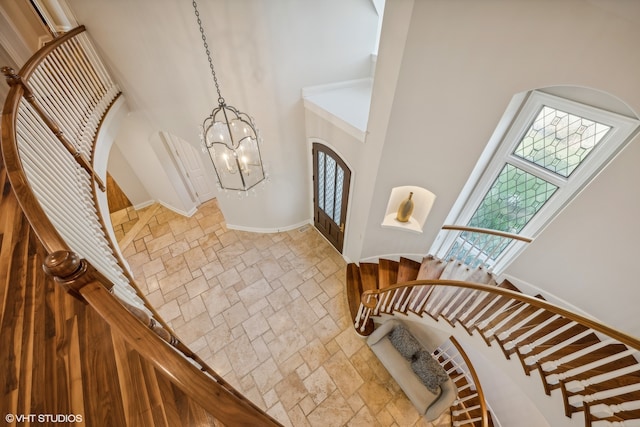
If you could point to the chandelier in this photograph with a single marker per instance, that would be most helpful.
(231, 138)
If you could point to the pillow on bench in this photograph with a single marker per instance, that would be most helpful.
(429, 371)
(431, 374)
(404, 342)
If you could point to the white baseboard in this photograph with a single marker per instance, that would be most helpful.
(144, 204)
(267, 230)
(179, 211)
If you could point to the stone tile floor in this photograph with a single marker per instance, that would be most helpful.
(267, 312)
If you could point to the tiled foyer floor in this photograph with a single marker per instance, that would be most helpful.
(268, 313)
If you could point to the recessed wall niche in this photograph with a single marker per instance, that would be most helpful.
(422, 201)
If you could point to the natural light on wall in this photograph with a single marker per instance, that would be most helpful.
(552, 150)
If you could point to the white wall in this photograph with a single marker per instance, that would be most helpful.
(143, 149)
(462, 63)
(21, 28)
(264, 53)
(122, 172)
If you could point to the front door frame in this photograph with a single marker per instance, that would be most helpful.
(320, 145)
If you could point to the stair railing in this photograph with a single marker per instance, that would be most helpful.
(592, 364)
(50, 121)
(470, 408)
(478, 246)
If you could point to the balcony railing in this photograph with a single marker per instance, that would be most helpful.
(50, 124)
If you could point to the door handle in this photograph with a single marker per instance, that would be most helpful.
(342, 228)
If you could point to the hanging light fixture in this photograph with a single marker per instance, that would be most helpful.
(231, 138)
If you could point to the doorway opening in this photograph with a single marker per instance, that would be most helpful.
(331, 180)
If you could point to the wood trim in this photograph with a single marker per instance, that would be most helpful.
(535, 302)
(29, 67)
(206, 392)
(476, 380)
(30, 205)
(488, 231)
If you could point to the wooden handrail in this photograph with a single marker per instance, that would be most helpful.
(487, 231)
(476, 380)
(369, 295)
(34, 212)
(79, 278)
(15, 80)
(30, 205)
(32, 63)
(210, 395)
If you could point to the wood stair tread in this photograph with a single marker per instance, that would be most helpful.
(369, 276)
(408, 270)
(568, 346)
(387, 273)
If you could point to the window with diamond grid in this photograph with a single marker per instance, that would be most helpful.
(553, 149)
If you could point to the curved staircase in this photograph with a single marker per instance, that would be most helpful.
(593, 366)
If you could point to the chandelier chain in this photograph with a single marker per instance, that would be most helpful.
(206, 48)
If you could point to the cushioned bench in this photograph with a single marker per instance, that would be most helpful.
(430, 403)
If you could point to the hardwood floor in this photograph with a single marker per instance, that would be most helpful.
(60, 359)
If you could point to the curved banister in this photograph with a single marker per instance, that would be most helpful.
(210, 395)
(32, 63)
(472, 371)
(32, 209)
(476, 246)
(620, 336)
(487, 231)
(30, 133)
(594, 366)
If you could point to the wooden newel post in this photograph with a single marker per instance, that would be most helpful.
(72, 272)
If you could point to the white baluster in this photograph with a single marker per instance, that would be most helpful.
(492, 305)
(422, 301)
(513, 343)
(412, 294)
(528, 348)
(357, 319)
(444, 298)
(577, 400)
(465, 399)
(625, 423)
(554, 364)
(556, 378)
(506, 334)
(381, 300)
(484, 323)
(604, 411)
(367, 313)
(503, 322)
(467, 421)
(579, 385)
(465, 410)
(473, 306)
(532, 360)
(401, 299)
(392, 296)
(436, 294)
(465, 297)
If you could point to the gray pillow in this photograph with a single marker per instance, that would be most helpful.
(404, 342)
(429, 371)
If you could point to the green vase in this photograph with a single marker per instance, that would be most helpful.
(405, 209)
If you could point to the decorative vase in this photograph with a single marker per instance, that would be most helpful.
(405, 209)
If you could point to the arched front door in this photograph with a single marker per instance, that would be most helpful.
(331, 179)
